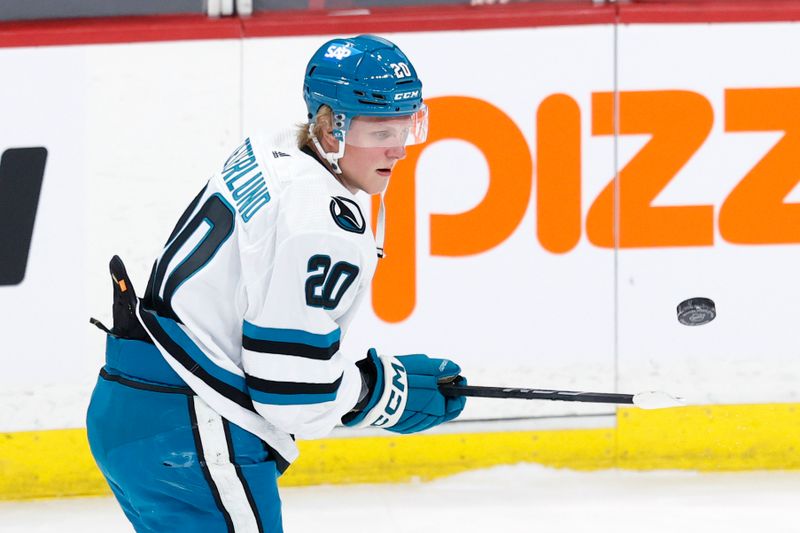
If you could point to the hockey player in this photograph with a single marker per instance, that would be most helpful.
(233, 351)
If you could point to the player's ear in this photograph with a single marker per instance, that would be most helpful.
(325, 133)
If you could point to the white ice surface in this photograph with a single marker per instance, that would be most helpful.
(503, 499)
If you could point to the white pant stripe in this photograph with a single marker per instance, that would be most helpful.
(215, 449)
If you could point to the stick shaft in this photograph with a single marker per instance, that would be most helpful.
(450, 389)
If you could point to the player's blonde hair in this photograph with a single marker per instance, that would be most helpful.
(323, 121)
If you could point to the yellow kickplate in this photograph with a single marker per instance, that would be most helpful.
(55, 463)
(710, 438)
(48, 464)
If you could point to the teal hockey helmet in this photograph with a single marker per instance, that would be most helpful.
(365, 76)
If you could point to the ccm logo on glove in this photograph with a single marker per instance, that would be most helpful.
(403, 393)
(396, 401)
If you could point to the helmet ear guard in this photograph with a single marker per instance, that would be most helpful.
(331, 157)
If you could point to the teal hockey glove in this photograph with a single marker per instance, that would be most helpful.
(403, 393)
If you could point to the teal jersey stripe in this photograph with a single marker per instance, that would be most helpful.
(198, 356)
(291, 399)
(297, 336)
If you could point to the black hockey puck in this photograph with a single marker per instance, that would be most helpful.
(696, 311)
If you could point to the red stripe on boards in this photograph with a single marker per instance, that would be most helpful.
(383, 20)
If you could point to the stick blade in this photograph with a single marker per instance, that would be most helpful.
(657, 400)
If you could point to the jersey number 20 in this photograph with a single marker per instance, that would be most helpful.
(207, 230)
(327, 285)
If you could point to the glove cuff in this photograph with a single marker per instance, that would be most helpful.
(391, 403)
(371, 370)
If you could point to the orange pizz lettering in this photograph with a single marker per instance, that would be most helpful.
(679, 122)
(558, 173)
(754, 212)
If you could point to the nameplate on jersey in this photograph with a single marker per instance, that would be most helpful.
(347, 215)
(244, 180)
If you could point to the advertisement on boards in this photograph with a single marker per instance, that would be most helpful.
(577, 184)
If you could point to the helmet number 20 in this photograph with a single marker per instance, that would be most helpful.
(401, 70)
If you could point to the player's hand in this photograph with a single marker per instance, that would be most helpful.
(404, 393)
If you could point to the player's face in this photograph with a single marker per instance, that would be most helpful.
(373, 147)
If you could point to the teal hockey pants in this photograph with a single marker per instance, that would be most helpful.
(173, 463)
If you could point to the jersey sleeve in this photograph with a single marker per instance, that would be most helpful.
(296, 375)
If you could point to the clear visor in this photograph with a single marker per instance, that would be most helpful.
(388, 132)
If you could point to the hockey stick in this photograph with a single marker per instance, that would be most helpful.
(643, 400)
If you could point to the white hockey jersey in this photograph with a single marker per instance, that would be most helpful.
(254, 289)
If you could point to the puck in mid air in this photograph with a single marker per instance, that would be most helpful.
(696, 311)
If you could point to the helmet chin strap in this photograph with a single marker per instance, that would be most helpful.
(331, 157)
(380, 230)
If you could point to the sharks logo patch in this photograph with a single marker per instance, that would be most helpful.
(347, 215)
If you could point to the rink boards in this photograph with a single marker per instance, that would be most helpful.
(587, 169)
